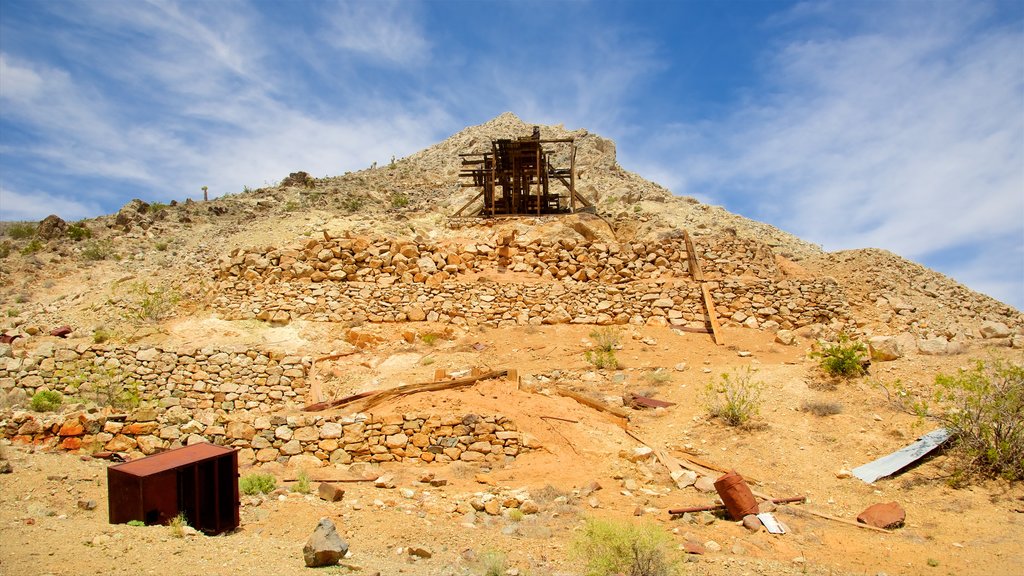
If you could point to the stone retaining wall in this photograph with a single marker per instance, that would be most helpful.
(766, 304)
(206, 378)
(303, 440)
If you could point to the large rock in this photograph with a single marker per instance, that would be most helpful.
(937, 346)
(132, 214)
(991, 329)
(885, 348)
(324, 547)
(889, 515)
(51, 227)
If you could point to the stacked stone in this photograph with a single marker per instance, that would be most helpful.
(757, 303)
(196, 379)
(297, 439)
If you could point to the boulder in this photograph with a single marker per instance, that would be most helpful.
(785, 337)
(888, 515)
(885, 348)
(330, 492)
(51, 227)
(324, 547)
(991, 329)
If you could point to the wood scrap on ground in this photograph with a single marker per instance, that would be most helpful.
(379, 396)
(593, 403)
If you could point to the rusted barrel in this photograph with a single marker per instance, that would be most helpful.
(736, 495)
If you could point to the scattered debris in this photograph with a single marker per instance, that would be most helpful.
(61, 332)
(324, 547)
(736, 495)
(635, 401)
(771, 523)
(900, 459)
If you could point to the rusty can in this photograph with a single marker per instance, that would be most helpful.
(736, 495)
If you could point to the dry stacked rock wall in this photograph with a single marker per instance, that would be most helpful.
(599, 283)
(228, 397)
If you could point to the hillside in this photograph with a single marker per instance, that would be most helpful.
(223, 320)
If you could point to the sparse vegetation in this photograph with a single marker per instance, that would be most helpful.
(427, 360)
(109, 387)
(844, 358)
(352, 203)
(983, 409)
(136, 523)
(399, 200)
(154, 302)
(78, 232)
(618, 547)
(101, 335)
(32, 247)
(257, 483)
(292, 206)
(46, 401)
(12, 312)
(177, 525)
(606, 338)
(736, 399)
(821, 408)
(493, 563)
(21, 230)
(658, 377)
(157, 207)
(429, 338)
(602, 359)
(302, 483)
(97, 250)
(516, 515)
(160, 246)
(5, 249)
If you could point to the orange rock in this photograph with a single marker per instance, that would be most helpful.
(71, 443)
(71, 428)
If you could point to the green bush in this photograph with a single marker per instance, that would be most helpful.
(429, 338)
(302, 484)
(983, 409)
(658, 377)
(399, 200)
(32, 247)
(606, 338)
(101, 335)
(844, 358)
(154, 302)
(78, 232)
(21, 230)
(257, 483)
(493, 563)
(178, 524)
(136, 523)
(46, 401)
(602, 359)
(95, 251)
(736, 399)
(618, 547)
(157, 207)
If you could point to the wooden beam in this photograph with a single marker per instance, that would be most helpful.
(466, 205)
(709, 305)
(691, 256)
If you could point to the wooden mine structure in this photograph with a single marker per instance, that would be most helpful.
(515, 178)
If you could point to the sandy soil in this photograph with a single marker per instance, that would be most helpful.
(790, 452)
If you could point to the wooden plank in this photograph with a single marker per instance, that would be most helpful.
(475, 198)
(709, 304)
(691, 256)
(592, 403)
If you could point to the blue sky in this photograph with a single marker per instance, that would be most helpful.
(897, 125)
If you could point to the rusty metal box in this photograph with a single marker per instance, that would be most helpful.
(199, 481)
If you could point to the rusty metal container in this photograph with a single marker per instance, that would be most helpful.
(736, 495)
(199, 481)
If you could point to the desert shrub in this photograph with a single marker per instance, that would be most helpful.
(5, 249)
(98, 250)
(136, 523)
(292, 206)
(516, 515)
(983, 409)
(352, 203)
(602, 359)
(606, 338)
(821, 408)
(429, 338)
(493, 563)
(109, 387)
(78, 232)
(257, 483)
(160, 246)
(399, 200)
(101, 335)
(32, 247)
(157, 207)
(844, 358)
(12, 312)
(21, 230)
(302, 483)
(427, 360)
(178, 524)
(658, 377)
(153, 302)
(736, 399)
(46, 401)
(617, 547)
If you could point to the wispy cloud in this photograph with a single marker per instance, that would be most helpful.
(37, 205)
(382, 31)
(873, 137)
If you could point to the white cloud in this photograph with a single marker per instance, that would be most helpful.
(38, 205)
(910, 140)
(384, 30)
